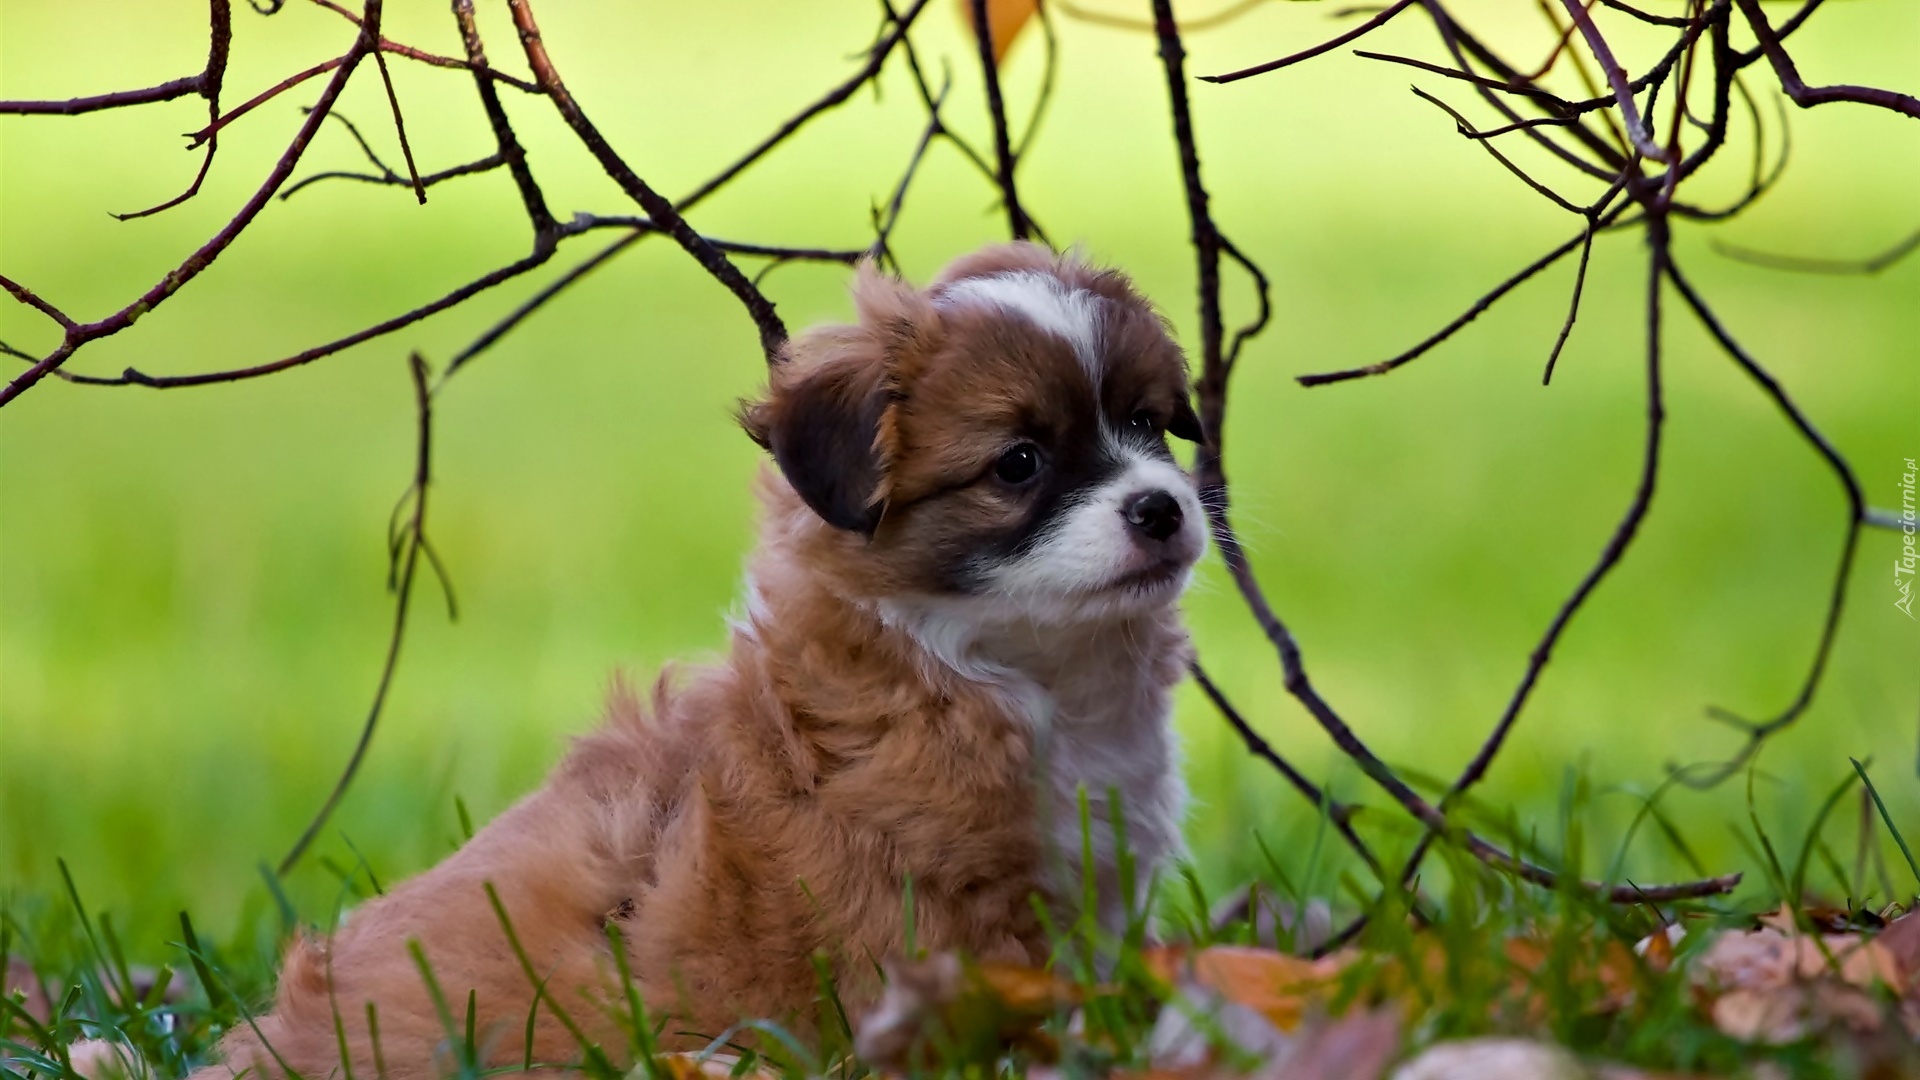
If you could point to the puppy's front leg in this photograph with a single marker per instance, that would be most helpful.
(555, 864)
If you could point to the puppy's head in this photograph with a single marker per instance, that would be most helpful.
(999, 437)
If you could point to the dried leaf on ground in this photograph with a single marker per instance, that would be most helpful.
(1005, 20)
(1759, 959)
(1493, 1059)
(1356, 1046)
(1657, 948)
(701, 1067)
(1901, 941)
(1614, 970)
(1273, 984)
(1768, 986)
(1786, 918)
(1199, 1031)
(974, 1010)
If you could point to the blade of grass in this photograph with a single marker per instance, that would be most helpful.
(1798, 882)
(1887, 817)
(216, 997)
(595, 1057)
(288, 920)
(1776, 876)
(373, 1036)
(86, 923)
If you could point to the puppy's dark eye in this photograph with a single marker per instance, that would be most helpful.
(1143, 421)
(1019, 464)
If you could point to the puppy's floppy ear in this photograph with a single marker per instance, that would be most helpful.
(823, 427)
(832, 416)
(1185, 424)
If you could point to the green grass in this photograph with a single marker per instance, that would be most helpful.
(191, 604)
(1450, 972)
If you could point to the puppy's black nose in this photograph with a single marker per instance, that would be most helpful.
(1155, 513)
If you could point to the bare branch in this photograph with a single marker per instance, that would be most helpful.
(1872, 264)
(1355, 34)
(219, 45)
(202, 258)
(433, 59)
(400, 127)
(1473, 312)
(1808, 96)
(1610, 555)
(505, 141)
(1758, 732)
(413, 543)
(1210, 472)
(773, 332)
(1617, 78)
(997, 112)
(1573, 306)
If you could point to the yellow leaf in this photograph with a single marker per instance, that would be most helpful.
(1005, 19)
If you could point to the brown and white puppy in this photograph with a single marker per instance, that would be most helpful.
(960, 614)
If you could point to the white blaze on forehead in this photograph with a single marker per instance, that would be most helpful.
(1047, 302)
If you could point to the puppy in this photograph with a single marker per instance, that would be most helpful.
(960, 615)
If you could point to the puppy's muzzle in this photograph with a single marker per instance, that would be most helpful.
(1154, 515)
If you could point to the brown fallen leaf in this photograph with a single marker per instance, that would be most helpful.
(1200, 1032)
(1768, 986)
(1493, 1059)
(1614, 970)
(1356, 1046)
(1759, 959)
(1005, 20)
(1273, 984)
(1901, 941)
(706, 1067)
(975, 1010)
(1787, 919)
(1657, 948)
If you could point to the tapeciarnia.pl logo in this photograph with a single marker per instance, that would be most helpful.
(1903, 567)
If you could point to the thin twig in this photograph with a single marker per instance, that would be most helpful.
(214, 127)
(204, 257)
(485, 164)
(1804, 264)
(435, 59)
(1004, 162)
(1211, 476)
(1610, 555)
(413, 545)
(219, 45)
(1758, 732)
(532, 200)
(400, 127)
(1808, 96)
(773, 332)
(1461, 125)
(1617, 78)
(1338, 813)
(1355, 34)
(1473, 312)
(1573, 306)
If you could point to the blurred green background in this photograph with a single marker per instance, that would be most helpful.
(191, 604)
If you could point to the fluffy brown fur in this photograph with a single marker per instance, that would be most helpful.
(775, 804)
